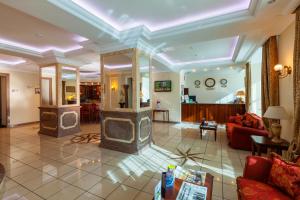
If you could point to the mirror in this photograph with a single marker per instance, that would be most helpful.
(144, 65)
(118, 79)
(48, 86)
(69, 85)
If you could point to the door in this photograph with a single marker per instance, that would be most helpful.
(4, 100)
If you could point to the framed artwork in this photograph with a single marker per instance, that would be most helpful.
(163, 86)
(37, 90)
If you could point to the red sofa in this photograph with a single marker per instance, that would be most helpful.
(241, 127)
(254, 183)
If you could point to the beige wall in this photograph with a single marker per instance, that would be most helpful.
(24, 102)
(286, 48)
(169, 100)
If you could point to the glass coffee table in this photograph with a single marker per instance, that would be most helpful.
(210, 125)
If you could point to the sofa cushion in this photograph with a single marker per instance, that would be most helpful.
(285, 176)
(247, 123)
(254, 190)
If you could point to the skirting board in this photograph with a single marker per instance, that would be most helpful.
(22, 124)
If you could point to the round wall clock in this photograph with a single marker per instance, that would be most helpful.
(210, 82)
(197, 83)
(223, 82)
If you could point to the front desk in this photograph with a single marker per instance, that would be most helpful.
(212, 112)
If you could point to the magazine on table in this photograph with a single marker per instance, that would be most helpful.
(191, 176)
(189, 191)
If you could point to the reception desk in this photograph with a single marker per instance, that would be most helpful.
(212, 112)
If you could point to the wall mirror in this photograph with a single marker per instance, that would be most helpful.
(48, 86)
(118, 78)
(144, 79)
(69, 85)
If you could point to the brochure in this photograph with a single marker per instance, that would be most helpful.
(191, 176)
(189, 191)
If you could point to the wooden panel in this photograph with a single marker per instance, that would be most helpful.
(212, 112)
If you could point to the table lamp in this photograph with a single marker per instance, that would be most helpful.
(276, 112)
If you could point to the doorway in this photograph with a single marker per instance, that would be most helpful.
(4, 100)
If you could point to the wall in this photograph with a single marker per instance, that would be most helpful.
(169, 100)
(24, 102)
(286, 48)
(235, 82)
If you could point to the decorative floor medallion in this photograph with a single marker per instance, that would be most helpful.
(86, 138)
(185, 156)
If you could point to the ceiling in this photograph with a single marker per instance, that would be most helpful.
(179, 35)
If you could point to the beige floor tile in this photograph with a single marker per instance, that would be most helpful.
(51, 188)
(217, 189)
(30, 196)
(149, 188)
(88, 196)
(143, 196)
(73, 176)
(123, 192)
(69, 192)
(36, 182)
(15, 193)
(103, 188)
(230, 192)
(87, 182)
(104, 170)
(137, 182)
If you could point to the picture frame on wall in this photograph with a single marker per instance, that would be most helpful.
(163, 86)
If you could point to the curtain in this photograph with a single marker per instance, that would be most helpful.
(296, 75)
(248, 87)
(269, 79)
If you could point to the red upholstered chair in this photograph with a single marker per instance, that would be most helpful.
(239, 135)
(253, 185)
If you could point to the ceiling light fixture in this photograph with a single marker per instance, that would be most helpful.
(242, 5)
(36, 49)
(117, 66)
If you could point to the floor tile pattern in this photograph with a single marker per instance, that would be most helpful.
(42, 167)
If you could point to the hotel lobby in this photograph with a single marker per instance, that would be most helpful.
(137, 100)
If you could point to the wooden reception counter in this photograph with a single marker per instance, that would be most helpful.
(215, 112)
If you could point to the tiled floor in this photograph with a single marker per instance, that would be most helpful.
(42, 167)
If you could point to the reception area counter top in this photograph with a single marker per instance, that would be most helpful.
(195, 112)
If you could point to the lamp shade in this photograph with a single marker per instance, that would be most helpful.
(278, 67)
(240, 93)
(276, 112)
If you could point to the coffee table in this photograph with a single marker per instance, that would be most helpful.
(209, 126)
(171, 194)
(259, 142)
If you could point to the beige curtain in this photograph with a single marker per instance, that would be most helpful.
(269, 79)
(248, 87)
(296, 74)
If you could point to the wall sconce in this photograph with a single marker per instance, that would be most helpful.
(113, 88)
(283, 71)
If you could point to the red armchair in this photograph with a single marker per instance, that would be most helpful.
(253, 185)
(239, 135)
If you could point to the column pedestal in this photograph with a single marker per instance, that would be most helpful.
(127, 132)
(59, 121)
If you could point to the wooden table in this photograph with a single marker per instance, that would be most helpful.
(210, 126)
(164, 111)
(259, 142)
(171, 194)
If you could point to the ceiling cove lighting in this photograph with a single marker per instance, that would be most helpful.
(241, 6)
(17, 62)
(117, 66)
(226, 58)
(39, 50)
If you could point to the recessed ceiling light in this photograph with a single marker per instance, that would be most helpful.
(39, 35)
(218, 68)
(193, 70)
(205, 70)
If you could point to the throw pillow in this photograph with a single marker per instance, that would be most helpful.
(285, 176)
(247, 123)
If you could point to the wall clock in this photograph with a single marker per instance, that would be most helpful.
(210, 82)
(223, 82)
(197, 83)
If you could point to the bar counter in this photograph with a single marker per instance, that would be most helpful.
(195, 112)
